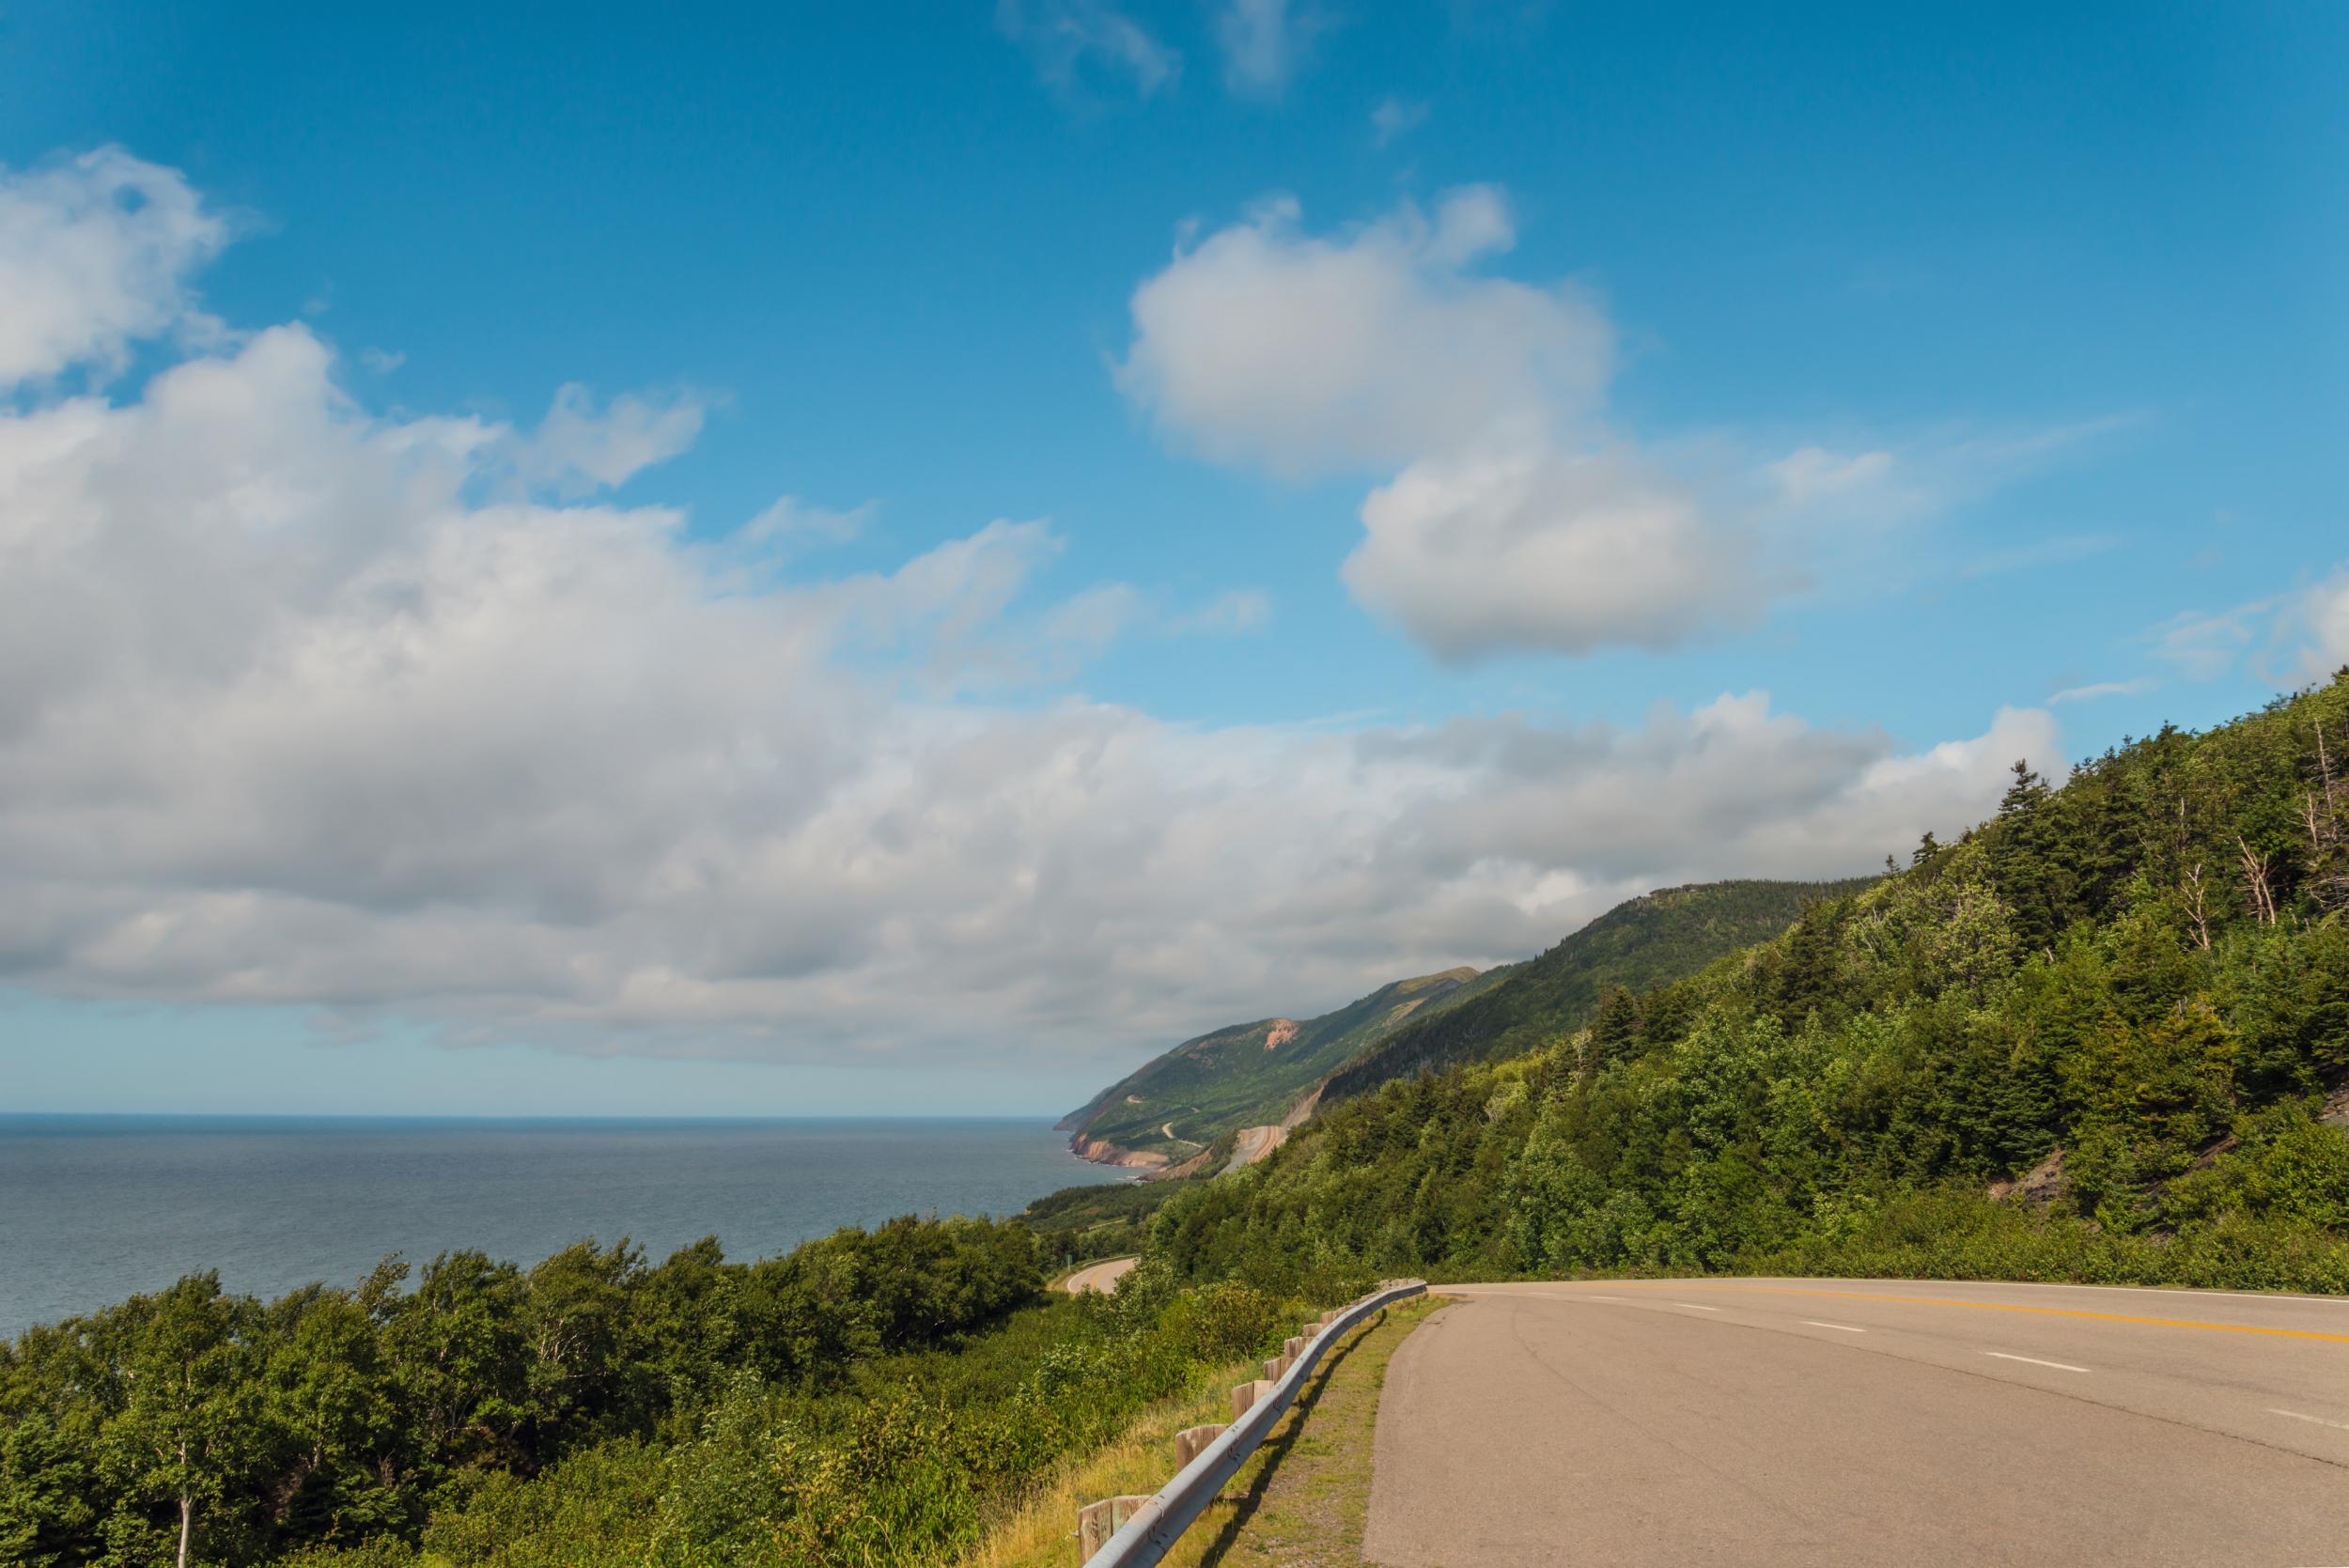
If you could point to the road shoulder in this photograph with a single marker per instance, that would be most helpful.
(1305, 1497)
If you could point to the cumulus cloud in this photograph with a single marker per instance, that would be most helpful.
(1072, 39)
(1515, 514)
(1515, 518)
(94, 253)
(304, 705)
(1304, 354)
(1533, 547)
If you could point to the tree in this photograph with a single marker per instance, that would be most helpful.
(187, 1432)
(46, 1518)
(1615, 1032)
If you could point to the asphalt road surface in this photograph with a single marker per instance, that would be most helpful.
(1867, 1422)
(1101, 1276)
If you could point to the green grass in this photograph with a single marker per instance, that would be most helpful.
(1302, 1498)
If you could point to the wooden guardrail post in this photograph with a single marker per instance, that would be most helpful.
(1244, 1395)
(1189, 1441)
(1098, 1521)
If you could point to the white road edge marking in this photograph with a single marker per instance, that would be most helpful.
(1694, 1307)
(1595, 1298)
(2338, 1427)
(1839, 1327)
(2060, 1366)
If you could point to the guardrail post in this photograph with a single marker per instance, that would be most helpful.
(1098, 1521)
(1274, 1367)
(1189, 1441)
(1295, 1346)
(1244, 1395)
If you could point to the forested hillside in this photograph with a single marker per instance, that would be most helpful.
(1666, 935)
(1182, 1103)
(1179, 1104)
(2102, 1036)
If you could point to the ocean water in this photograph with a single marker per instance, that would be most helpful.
(94, 1208)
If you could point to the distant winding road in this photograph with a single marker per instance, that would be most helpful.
(1100, 1277)
(1864, 1422)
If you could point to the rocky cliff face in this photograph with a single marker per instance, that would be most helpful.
(1101, 1152)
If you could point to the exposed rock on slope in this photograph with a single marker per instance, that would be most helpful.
(1252, 1075)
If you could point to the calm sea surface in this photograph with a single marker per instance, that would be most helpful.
(93, 1209)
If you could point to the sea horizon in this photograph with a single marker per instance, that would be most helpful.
(97, 1207)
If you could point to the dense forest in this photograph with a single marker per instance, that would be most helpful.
(2104, 1036)
(1663, 936)
(867, 1398)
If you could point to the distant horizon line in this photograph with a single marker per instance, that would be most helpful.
(631, 1118)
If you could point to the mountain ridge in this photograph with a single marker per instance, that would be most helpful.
(1231, 1095)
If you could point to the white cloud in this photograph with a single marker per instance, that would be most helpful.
(1263, 41)
(788, 520)
(1267, 346)
(1234, 611)
(577, 442)
(2318, 624)
(2287, 639)
(1809, 475)
(1514, 519)
(1068, 39)
(2204, 646)
(302, 705)
(1535, 548)
(94, 254)
(1515, 516)
(1395, 117)
(2097, 691)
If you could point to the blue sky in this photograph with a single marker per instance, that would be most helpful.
(1942, 361)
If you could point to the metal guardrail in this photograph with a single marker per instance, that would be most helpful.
(1150, 1532)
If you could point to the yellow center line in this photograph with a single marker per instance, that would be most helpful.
(2000, 1307)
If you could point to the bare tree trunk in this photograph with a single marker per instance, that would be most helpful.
(187, 1508)
(2192, 889)
(2255, 874)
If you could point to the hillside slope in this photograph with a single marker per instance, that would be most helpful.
(2104, 1037)
(1666, 935)
(1180, 1104)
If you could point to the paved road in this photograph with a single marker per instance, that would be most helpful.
(1864, 1422)
(1100, 1277)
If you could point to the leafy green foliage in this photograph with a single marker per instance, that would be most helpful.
(901, 1461)
(1078, 1224)
(2143, 974)
(341, 1415)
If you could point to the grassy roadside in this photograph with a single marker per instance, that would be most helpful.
(1302, 1498)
